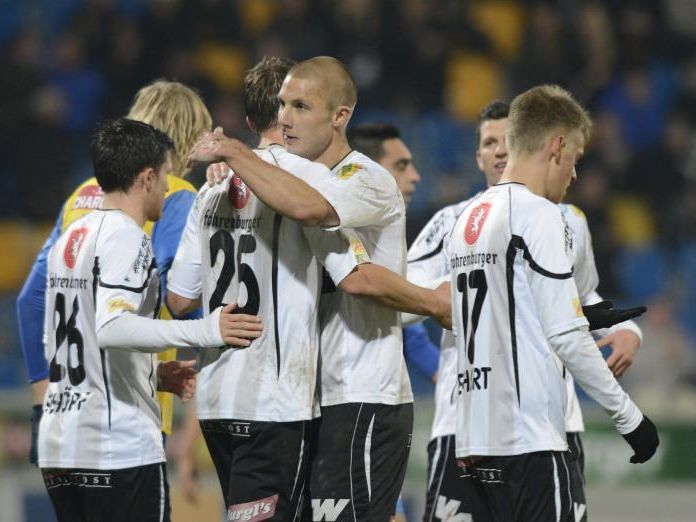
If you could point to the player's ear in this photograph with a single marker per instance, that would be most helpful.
(556, 146)
(342, 116)
(147, 177)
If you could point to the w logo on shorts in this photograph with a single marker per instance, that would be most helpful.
(328, 509)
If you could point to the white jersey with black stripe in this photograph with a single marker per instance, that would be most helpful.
(427, 261)
(512, 289)
(361, 342)
(235, 249)
(100, 410)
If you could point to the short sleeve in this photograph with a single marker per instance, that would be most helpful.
(185, 277)
(546, 246)
(338, 251)
(362, 196)
(126, 265)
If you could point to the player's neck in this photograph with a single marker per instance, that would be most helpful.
(335, 152)
(126, 203)
(529, 172)
(271, 137)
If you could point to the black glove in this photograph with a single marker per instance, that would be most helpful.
(643, 440)
(602, 315)
(36, 412)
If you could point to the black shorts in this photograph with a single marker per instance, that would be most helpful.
(262, 467)
(446, 495)
(576, 465)
(92, 495)
(521, 488)
(359, 461)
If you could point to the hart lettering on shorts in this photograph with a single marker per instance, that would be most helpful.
(261, 509)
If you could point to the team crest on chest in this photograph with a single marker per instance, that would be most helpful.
(238, 193)
(475, 223)
(73, 245)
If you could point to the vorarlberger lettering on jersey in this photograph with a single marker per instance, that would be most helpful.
(102, 401)
(235, 249)
(512, 288)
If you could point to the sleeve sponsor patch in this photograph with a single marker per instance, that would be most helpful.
(117, 304)
(577, 307)
(347, 171)
(359, 251)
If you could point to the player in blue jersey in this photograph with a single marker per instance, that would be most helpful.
(178, 111)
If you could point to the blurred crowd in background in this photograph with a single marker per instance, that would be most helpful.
(427, 66)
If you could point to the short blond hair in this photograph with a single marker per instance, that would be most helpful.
(339, 84)
(176, 110)
(541, 111)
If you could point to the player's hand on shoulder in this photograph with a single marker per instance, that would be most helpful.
(177, 377)
(216, 173)
(624, 346)
(239, 330)
(644, 441)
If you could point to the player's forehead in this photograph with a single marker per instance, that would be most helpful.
(301, 88)
(395, 149)
(493, 129)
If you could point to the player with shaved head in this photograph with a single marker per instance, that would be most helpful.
(363, 439)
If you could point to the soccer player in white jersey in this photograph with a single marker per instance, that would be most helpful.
(518, 323)
(363, 437)
(427, 259)
(100, 442)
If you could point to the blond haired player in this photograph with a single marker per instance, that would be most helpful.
(519, 324)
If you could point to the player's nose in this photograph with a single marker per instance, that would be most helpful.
(283, 117)
(415, 175)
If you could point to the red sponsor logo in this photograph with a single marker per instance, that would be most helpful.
(73, 245)
(474, 224)
(90, 197)
(238, 193)
(261, 509)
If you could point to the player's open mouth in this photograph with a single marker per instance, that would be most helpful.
(500, 165)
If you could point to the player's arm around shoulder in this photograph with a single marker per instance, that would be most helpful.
(363, 194)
